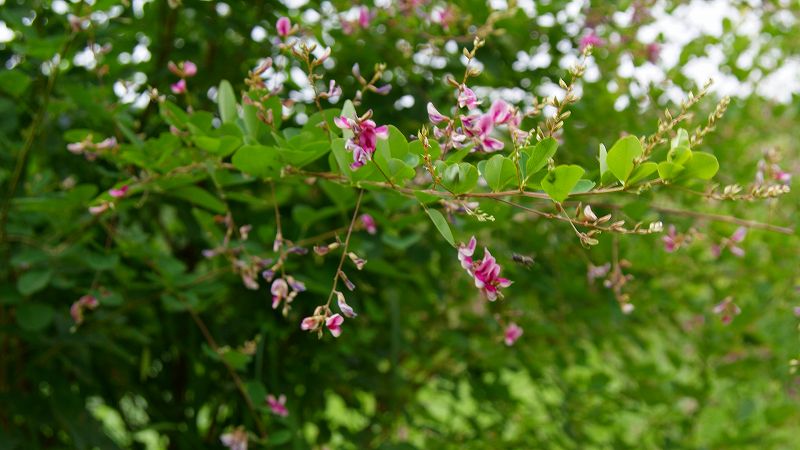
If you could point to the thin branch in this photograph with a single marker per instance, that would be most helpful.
(344, 248)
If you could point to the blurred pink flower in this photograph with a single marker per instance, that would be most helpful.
(486, 273)
(283, 26)
(369, 223)
(118, 193)
(512, 333)
(727, 310)
(277, 405)
(179, 87)
(235, 440)
(590, 39)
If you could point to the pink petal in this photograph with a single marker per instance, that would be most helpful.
(283, 26)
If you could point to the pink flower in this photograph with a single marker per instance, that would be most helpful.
(796, 311)
(364, 140)
(99, 209)
(781, 176)
(479, 129)
(364, 17)
(467, 98)
(670, 240)
(512, 333)
(653, 52)
(343, 306)
(235, 440)
(179, 87)
(118, 193)
(590, 39)
(500, 112)
(369, 223)
(189, 69)
(465, 253)
(730, 243)
(594, 272)
(434, 115)
(283, 26)
(334, 324)
(185, 69)
(277, 405)
(77, 308)
(279, 290)
(486, 273)
(310, 323)
(727, 310)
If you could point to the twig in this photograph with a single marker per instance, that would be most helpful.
(344, 249)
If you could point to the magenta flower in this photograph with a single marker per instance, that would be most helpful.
(277, 405)
(727, 310)
(235, 440)
(590, 39)
(334, 324)
(486, 273)
(283, 26)
(512, 333)
(780, 176)
(796, 311)
(118, 193)
(467, 98)
(364, 140)
(653, 52)
(179, 87)
(369, 223)
(364, 17)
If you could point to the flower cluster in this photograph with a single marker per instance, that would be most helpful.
(485, 272)
(476, 128)
(86, 302)
(365, 137)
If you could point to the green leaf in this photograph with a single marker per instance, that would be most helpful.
(398, 145)
(14, 82)
(305, 155)
(701, 165)
(441, 224)
(620, 157)
(33, 281)
(603, 158)
(257, 160)
(539, 154)
(416, 148)
(679, 155)
(221, 146)
(199, 197)
(559, 182)
(582, 186)
(460, 178)
(34, 316)
(680, 140)
(642, 171)
(173, 114)
(499, 171)
(226, 99)
(669, 170)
